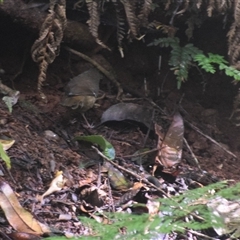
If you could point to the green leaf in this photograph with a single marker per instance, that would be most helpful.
(5, 157)
(106, 147)
(11, 100)
(117, 180)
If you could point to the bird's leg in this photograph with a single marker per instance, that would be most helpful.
(86, 121)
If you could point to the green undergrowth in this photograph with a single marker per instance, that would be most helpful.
(182, 58)
(177, 214)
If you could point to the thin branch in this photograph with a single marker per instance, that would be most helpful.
(209, 138)
(200, 234)
(137, 176)
(100, 68)
(144, 180)
(192, 153)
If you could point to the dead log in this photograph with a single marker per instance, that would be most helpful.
(76, 34)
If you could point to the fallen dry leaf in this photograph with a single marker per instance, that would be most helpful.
(7, 143)
(20, 219)
(170, 153)
(56, 185)
(23, 236)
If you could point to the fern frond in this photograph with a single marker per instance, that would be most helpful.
(199, 3)
(210, 7)
(231, 34)
(237, 13)
(191, 22)
(234, 48)
(144, 12)
(167, 4)
(224, 5)
(46, 47)
(166, 29)
(186, 6)
(220, 5)
(121, 23)
(229, 4)
(234, 37)
(130, 8)
(94, 19)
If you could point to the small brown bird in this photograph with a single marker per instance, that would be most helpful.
(81, 91)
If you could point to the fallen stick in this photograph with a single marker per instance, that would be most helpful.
(209, 138)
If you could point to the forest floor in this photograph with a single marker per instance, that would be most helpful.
(206, 102)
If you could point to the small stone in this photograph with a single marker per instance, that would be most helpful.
(50, 135)
(3, 121)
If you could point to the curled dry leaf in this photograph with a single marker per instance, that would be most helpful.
(170, 153)
(92, 195)
(128, 111)
(20, 219)
(130, 194)
(56, 185)
(7, 143)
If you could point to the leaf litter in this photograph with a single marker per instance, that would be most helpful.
(31, 173)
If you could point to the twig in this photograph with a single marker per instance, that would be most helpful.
(200, 234)
(99, 176)
(144, 180)
(130, 172)
(209, 138)
(100, 68)
(149, 128)
(3, 170)
(197, 130)
(192, 153)
(142, 153)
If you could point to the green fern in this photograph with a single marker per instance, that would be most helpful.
(5, 157)
(182, 58)
(177, 215)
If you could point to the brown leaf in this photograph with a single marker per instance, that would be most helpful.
(170, 152)
(130, 194)
(20, 219)
(23, 236)
(128, 111)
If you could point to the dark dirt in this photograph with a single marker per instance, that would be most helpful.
(206, 102)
